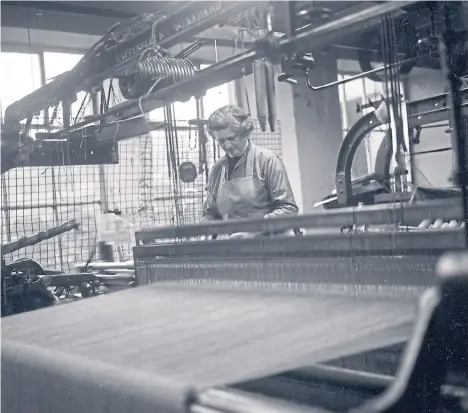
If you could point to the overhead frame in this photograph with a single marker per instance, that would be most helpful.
(351, 20)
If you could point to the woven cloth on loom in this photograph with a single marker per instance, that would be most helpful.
(186, 337)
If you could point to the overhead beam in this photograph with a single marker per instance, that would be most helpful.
(58, 21)
(61, 20)
(72, 8)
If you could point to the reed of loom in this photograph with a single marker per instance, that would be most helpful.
(389, 262)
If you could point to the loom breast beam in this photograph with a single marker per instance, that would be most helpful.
(181, 24)
(367, 215)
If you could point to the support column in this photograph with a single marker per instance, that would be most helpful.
(311, 130)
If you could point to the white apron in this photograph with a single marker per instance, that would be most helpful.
(239, 198)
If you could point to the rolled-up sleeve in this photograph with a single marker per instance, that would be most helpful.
(210, 211)
(278, 185)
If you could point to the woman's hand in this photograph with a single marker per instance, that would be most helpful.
(440, 224)
(245, 235)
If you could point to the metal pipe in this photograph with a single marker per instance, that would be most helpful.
(356, 77)
(41, 236)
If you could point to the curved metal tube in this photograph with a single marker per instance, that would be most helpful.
(356, 77)
(346, 154)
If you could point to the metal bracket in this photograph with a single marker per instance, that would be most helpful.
(346, 154)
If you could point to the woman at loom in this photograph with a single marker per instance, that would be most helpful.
(250, 181)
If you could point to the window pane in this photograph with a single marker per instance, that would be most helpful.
(20, 76)
(184, 111)
(353, 89)
(58, 63)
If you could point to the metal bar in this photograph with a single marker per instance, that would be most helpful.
(101, 266)
(36, 206)
(367, 215)
(5, 208)
(361, 244)
(342, 377)
(236, 401)
(351, 20)
(353, 379)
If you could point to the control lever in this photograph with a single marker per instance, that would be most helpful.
(288, 78)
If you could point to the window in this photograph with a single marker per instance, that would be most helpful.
(57, 63)
(184, 111)
(20, 76)
(215, 98)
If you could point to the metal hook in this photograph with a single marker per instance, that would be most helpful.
(356, 77)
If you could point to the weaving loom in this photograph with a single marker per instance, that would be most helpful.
(213, 319)
(202, 325)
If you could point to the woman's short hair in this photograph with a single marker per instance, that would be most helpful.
(230, 116)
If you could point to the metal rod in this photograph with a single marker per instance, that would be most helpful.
(356, 77)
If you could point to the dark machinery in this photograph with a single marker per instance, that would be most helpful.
(136, 54)
(27, 286)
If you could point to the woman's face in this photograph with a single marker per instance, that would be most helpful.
(230, 143)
